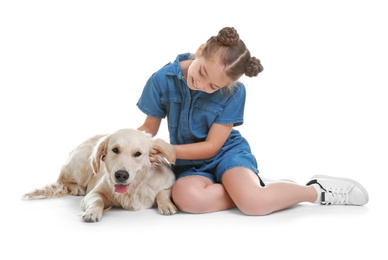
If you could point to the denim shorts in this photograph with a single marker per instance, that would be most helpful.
(236, 152)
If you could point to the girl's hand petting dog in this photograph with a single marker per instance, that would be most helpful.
(155, 156)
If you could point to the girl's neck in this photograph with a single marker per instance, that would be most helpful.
(185, 64)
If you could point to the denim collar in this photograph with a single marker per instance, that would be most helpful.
(175, 69)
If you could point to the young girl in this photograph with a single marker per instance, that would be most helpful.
(203, 100)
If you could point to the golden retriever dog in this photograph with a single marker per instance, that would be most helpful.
(115, 171)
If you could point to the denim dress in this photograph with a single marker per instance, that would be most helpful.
(190, 114)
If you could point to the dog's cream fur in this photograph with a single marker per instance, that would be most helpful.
(115, 171)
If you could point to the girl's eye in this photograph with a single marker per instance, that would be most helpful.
(116, 150)
(137, 154)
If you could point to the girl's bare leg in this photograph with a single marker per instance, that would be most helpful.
(244, 189)
(241, 188)
(198, 194)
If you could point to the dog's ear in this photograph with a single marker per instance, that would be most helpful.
(166, 149)
(99, 153)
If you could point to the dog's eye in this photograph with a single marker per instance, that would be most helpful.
(137, 154)
(115, 150)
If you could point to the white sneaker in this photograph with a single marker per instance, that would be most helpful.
(340, 191)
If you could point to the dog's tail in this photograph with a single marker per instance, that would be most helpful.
(55, 190)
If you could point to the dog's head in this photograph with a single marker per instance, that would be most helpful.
(126, 153)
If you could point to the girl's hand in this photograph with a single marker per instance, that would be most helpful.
(154, 158)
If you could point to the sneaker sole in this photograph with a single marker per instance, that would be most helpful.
(344, 179)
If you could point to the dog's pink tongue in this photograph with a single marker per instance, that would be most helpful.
(120, 188)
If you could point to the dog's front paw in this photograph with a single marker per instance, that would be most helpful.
(167, 208)
(92, 215)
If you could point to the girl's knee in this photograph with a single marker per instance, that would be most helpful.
(186, 197)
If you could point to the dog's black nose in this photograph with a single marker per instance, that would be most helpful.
(121, 175)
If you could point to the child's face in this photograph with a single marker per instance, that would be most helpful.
(206, 74)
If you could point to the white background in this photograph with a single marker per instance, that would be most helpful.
(73, 69)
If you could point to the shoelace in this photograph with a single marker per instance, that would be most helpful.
(340, 197)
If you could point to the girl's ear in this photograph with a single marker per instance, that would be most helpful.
(198, 53)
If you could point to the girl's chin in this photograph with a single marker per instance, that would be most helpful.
(193, 88)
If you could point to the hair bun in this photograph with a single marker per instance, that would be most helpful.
(228, 36)
(253, 67)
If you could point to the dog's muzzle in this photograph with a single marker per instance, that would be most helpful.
(121, 176)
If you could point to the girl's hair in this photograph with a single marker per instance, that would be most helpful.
(233, 53)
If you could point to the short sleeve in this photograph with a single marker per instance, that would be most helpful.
(233, 111)
(150, 100)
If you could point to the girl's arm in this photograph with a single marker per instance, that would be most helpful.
(215, 139)
(151, 125)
